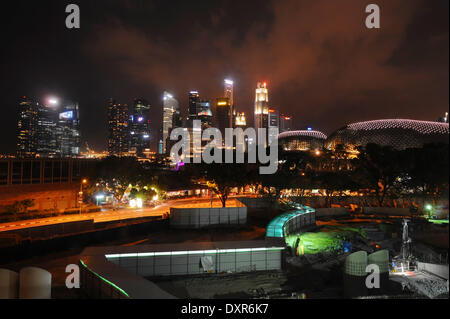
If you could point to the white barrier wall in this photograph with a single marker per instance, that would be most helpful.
(9, 284)
(206, 217)
(438, 270)
(180, 259)
(35, 283)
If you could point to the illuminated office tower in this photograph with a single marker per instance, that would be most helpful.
(46, 133)
(229, 93)
(224, 115)
(204, 113)
(170, 107)
(68, 131)
(274, 118)
(285, 123)
(262, 106)
(26, 128)
(140, 127)
(117, 128)
(241, 122)
(194, 98)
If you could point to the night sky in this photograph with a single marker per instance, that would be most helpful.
(321, 63)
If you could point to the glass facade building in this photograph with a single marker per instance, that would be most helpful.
(170, 107)
(285, 123)
(117, 128)
(27, 128)
(46, 142)
(224, 115)
(140, 127)
(68, 131)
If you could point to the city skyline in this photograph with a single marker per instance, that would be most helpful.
(399, 71)
(225, 150)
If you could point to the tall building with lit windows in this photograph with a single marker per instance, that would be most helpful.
(194, 98)
(204, 113)
(285, 123)
(274, 118)
(140, 127)
(229, 93)
(224, 114)
(117, 128)
(261, 106)
(47, 127)
(68, 134)
(27, 128)
(241, 122)
(170, 107)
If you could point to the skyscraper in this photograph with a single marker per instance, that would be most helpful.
(140, 127)
(170, 107)
(241, 122)
(194, 98)
(204, 113)
(68, 130)
(26, 128)
(224, 115)
(46, 141)
(261, 106)
(285, 123)
(117, 128)
(274, 118)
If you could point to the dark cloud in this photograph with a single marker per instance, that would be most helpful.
(321, 63)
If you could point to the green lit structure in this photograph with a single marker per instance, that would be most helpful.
(291, 221)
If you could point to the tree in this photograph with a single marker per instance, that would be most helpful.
(115, 175)
(427, 170)
(378, 168)
(222, 178)
(20, 207)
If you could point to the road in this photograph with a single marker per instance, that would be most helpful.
(110, 215)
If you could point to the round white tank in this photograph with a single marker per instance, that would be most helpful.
(356, 263)
(381, 259)
(35, 283)
(9, 284)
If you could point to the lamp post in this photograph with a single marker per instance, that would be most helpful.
(83, 181)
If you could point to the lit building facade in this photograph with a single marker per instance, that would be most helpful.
(274, 118)
(302, 141)
(140, 127)
(26, 128)
(117, 128)
(47, 144)
(399, 134)
(285, 123)
(241, 122)
(204, 113)
(229, 93)
(68, 131)
(170, 107)
(262, 106)
(224, 114)
(194, 98)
